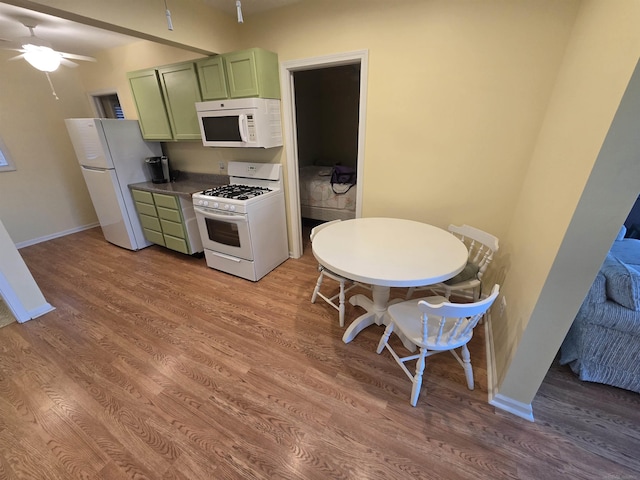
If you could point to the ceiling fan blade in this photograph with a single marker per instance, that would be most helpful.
(17, 57)
(77, 57)
(68, 63)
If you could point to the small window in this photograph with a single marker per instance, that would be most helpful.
(6, 165)
(108, 106)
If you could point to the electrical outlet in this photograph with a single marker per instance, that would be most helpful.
(503, 305)
(222, 166)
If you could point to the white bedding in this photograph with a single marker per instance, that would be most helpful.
(316, 191)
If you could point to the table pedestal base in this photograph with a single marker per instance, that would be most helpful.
(376, 313)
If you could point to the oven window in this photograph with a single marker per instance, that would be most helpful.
(225, 233)
(221, 129)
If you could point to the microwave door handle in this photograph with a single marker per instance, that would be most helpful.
(242, 126)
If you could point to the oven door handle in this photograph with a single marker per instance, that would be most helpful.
(226, 257)
(218, 216)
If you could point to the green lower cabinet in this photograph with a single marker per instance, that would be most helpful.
(168, 220)
(178, 244)
(154, 236)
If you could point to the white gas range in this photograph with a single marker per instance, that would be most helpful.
(243, 224)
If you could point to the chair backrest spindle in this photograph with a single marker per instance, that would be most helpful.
(456, 321)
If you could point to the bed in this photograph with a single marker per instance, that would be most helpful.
(318, 201)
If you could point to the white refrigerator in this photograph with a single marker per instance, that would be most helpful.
(111, 154)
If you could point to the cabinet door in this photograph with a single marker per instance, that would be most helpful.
(242, 74)
(181, 92)
(213, 81)
(149, 102)
(252, 73)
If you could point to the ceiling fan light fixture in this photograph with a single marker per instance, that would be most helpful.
(43, 58)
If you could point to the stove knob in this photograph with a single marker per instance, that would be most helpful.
(216, 204)
(226, 207)
(205, 203)
(232, 208)
(200, 202)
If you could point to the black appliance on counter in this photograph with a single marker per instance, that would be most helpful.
(159, 169)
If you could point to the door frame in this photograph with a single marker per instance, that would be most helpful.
(287, 70)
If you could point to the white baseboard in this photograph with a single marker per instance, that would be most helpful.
(37, 312)
(28, 243)
(522, 410)
(20, 313)
(519, 409)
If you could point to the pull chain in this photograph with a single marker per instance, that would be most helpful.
(53, 91)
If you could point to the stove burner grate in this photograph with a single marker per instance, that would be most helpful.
(238, 192)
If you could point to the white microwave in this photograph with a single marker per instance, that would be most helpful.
(241, 122)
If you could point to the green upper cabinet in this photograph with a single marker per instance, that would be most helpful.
(165, 98)
(149, 101)
(213, 82)
(181, 92)
(252, 73)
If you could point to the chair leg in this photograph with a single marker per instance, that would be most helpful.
(341, 309)
(417, 378)
(409, 293)
(317, 289)
(385, 338)
(468, 369)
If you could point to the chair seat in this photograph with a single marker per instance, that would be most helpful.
(325, 272)
(404, 316)
(481, 246)
(333, 275)
(435, 325)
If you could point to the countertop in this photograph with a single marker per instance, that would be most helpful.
(185, 184)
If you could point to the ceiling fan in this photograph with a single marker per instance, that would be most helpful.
(40, 54)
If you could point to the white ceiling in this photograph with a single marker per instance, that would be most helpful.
(64, 35)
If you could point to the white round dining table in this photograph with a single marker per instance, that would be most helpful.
(384, 253)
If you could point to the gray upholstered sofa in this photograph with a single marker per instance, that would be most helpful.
(603, 344)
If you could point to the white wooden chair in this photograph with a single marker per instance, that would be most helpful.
(481, 246)
(435, 325)
(343, 281)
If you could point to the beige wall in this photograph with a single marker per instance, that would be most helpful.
(457, 91)
(561, 230)
(46, 194)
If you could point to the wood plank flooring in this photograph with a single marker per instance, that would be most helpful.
(154, 366)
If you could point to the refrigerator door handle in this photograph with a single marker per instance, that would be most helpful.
(95, 169)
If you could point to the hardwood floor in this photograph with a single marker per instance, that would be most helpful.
(154, 366)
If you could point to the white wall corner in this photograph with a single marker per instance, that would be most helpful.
(519, 409)
(522, 410)
(39, 311)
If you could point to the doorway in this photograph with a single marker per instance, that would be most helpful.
(357, 59)
(106, 104)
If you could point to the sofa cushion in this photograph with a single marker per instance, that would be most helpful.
(623, 283)
(627, 251)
